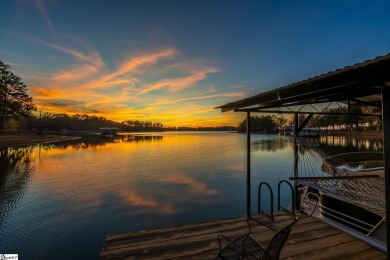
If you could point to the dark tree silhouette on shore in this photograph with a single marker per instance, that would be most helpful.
(263, 124)
(14, 100)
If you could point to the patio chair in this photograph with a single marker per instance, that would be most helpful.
(245, 247)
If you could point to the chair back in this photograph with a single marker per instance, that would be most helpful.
(279, 239)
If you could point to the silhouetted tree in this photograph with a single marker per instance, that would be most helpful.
(264, 124)
(279, 120)
(14, 101)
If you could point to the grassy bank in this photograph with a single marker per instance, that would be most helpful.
(13, 139)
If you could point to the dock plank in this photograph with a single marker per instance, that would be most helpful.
(310, 239)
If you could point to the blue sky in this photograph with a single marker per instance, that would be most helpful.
(173, 61)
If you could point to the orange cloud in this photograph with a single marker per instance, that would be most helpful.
(41, 93)
(103, 84)
(177, 84)
(133, 66)
(74, 74)
(136, 64)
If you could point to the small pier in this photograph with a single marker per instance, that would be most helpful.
(310, 239)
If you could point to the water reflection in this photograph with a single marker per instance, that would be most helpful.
(272, 144)
(332, 145)
(138, 138)
(15, 173)
(93, 141)
(325, 145)
(131, 182)
(137, 200)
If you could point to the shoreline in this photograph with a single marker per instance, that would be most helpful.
(18, 139)
(9, 140)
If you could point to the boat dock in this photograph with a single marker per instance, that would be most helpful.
(309, 239)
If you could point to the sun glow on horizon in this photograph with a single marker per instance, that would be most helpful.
(160, 86)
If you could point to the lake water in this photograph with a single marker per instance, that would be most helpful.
(60, 200)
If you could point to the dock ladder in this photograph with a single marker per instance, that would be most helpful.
(280, 207)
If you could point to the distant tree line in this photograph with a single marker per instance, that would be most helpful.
(138, 125)
(57, 122)
(202, 128)
(331, 121)
(263, 124)
(346, 122)
(83, 122)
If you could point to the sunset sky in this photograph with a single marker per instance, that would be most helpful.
(174, 61)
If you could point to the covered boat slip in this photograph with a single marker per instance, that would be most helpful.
(365, 85)
(310, 239)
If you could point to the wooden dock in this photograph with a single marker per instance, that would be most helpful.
(310, 239)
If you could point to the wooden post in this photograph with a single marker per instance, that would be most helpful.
(295, 140)
(248, 164)
(386, 155)
(296, 144)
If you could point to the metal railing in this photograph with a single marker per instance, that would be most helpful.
(280, 207)
(259, 210)
(292, 196)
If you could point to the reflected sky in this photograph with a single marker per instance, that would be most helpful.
(62, 199)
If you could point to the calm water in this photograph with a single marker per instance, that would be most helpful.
(60, 200)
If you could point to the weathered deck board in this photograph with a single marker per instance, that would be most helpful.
(310, 239)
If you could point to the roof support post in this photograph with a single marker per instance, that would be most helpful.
(296, 134)
(386, 155)
(349, 106)
(248, 164)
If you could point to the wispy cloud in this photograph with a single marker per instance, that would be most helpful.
(42, 10)
(90, 64)
(175, 101)
(176, 84)
(138, 64)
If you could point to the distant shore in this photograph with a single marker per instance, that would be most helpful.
(15, 139)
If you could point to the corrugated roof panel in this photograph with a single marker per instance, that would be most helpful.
(355, 81)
